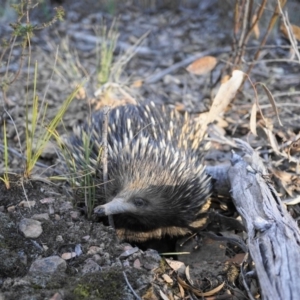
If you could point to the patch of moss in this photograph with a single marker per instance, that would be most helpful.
(101, 285)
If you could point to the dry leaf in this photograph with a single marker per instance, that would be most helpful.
(163, 296)
(174, 264)
(188, 276)
(295, 30)
(202, 65)
(137, 83)
(197, 292)
(294, 147)
(149, 295)
(181, 289)
(271, 99)
(167, 278)
(223, 98)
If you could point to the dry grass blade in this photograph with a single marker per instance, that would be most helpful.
(253, 119)
(202, 65)
(272, 100)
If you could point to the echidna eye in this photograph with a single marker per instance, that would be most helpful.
(139, 202)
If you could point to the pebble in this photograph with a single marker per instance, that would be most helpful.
(30, 228)
(48, 265)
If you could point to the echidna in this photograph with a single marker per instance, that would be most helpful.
(156, 183)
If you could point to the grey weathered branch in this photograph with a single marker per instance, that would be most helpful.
(273, 235)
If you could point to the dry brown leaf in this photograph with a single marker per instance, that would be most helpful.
(181, 289)
(137, 83)
(150, 295)
(294, 147)
(202, 65)
(81, 94)
(174, 264)
(197, 292)
(163, 295)
(253, 119)
(167, 278)
(255, 28)
(188, 276)
(295, 30)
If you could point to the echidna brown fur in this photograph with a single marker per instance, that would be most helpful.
(156, 184)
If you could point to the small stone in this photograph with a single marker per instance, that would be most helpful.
(68, 255)
(86, 238)
(137, 264)
(41, 217)
(11, 208)
(95, 250)
(75, 215)
(59, 238)
(48, 265)
(90, 266)
(27, 204)
(129, 252)
(66, 206)
(47, 200)
(56, 296)
(30, 228)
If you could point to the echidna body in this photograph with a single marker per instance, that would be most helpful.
(156, 182)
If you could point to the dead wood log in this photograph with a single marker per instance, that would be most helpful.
(273, 235)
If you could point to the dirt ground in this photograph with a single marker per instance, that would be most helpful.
(48, 248)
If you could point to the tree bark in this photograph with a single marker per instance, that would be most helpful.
(273, 235)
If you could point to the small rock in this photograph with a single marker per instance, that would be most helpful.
(51, 209)
(49, 265)
(95, 250)
(30, 228)
(137, 264)
(97, 258)
(41, 217)
(11, 208)
(86, 238)
(129, 252)
(49, 150)
(56, 296)
(90, 266)
(74, 215)
(66, 206)
(59, 238)
(27, 204)
(126, 263)
(47, 200)
(68, 255)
